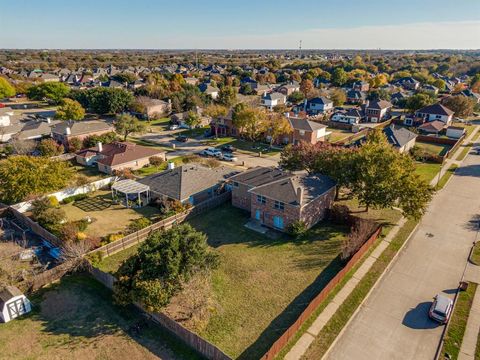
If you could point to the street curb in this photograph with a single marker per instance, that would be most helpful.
(395, 257)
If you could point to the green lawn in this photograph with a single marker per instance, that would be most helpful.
(263, 283)
(195, 133)
(434, 149)
(458, 322)
(475, 258)
(150, 169)
(107, 219)
(447, 175)
(162, 123)
(427, 171)
(76, 319)
(337, 134)
(466, 149)
(152, 144)
(243, 145)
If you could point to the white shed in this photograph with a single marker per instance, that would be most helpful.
(13, 303)
(455, 132)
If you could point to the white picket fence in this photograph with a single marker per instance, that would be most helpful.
(62, 194)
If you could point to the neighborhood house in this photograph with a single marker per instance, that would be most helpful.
(117, 156)
(277, 199)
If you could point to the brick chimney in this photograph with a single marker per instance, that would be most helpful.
(300, 195)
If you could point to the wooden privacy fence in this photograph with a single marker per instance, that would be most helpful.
(315, 303)
(191, 339)
(141, 235)
(35, 227)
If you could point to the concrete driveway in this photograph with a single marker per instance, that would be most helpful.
(393, 321)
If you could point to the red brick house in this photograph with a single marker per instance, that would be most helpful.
(305, 130)
(377, 110)
(277, 199)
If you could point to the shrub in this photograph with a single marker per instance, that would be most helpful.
(68, 231)
(138, 224)
(95, 258)
(298, 229)
(191, 158)
(156, 160)
(163, 263)
(111, 238)
(93, 242)
(212, 163)
(340, 214)
(73, 198)
(361, 230)
(53, 201)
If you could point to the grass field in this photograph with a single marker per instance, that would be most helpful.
(475, 258)
(107, 217)
(243, 145)
(427, 171)
(458, 322)
(263, 283)
(337, 134)
(75, 319)
(434, 149)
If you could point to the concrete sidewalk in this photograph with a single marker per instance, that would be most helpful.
(307, 338)
(469, 342)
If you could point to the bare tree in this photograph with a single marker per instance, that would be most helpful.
(73, 254)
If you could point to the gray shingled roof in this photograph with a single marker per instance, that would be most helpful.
(398, 136)
(182, 182)
(259, 176)
(286, 189)
(307, 125)
(435, 109)
(81, 127)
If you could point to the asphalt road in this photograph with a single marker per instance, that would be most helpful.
(393, 321)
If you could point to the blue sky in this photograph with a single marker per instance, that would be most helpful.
(240, 24)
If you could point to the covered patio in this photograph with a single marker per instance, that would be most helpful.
(130, 193)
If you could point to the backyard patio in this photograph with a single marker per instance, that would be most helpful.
(106, 216)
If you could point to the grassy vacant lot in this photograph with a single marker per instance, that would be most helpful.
(427, 171)
(458, 322)
(107, 217)
(243, 145)
(75, 319)
(337, 134)
(434, 149)
(263, 282)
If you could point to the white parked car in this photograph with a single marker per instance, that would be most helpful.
(211, 151)
(229, 157)
(441, 308)
(174, 127)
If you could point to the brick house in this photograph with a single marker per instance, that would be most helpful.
(434, 112)
(361, 86)
(277, 198)
(270, 100)
(66, 130)
(377, 111)
(305, 130)
(117, 156)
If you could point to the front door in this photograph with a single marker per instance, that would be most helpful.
(16, 308)
(258, 215)
(278, 222)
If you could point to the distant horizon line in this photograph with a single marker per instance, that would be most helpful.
(244, 49)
